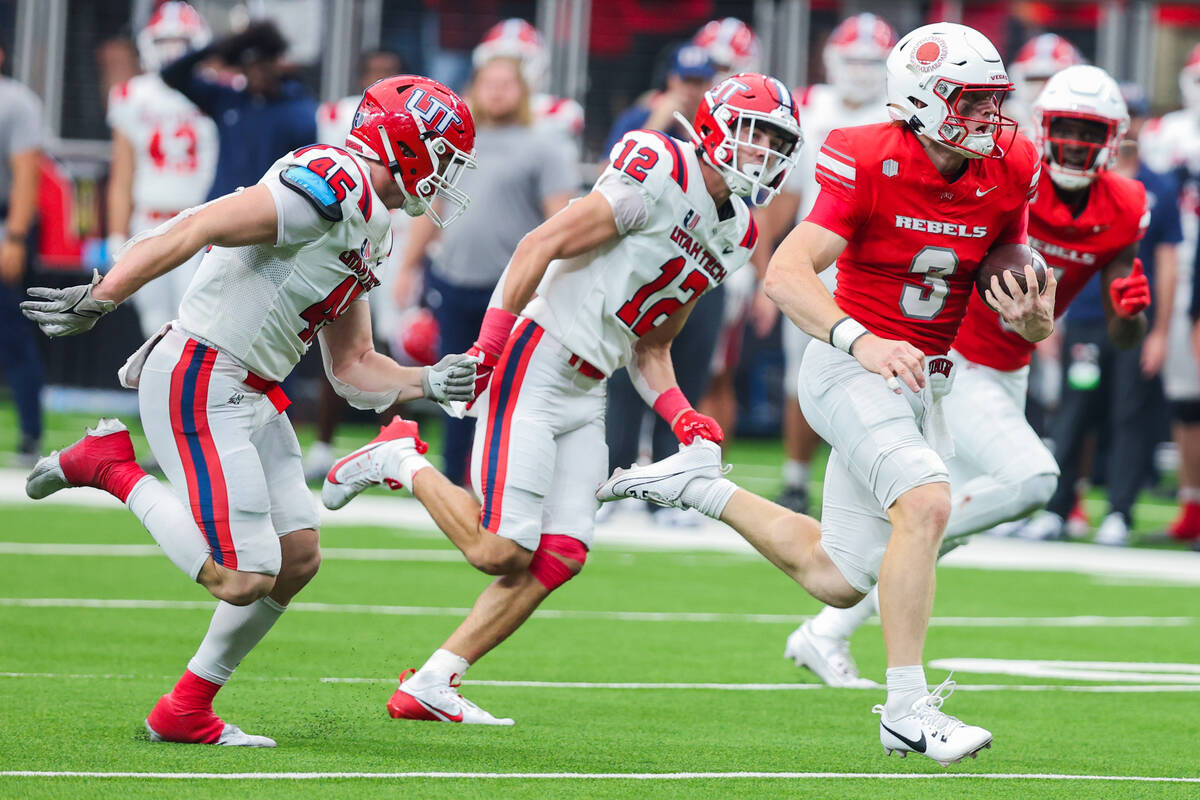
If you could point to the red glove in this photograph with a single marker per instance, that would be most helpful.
(1131, 296)
(493, 335)
(687, 423)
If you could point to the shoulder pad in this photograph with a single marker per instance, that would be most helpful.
(652, 158)
(313, 188)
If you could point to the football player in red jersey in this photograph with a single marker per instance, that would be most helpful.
(908, 208)
(1086, 219)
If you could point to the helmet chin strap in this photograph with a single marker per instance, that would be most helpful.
(412, 206)
(734, 180)
(1069, 181)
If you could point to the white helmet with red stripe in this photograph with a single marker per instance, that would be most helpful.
(731, 45)
(1042, 56)
(855, 55)
(938, 75)
(729, 133)
(1189, 81)
(1092, 99)
(515, 38)
(174, 29)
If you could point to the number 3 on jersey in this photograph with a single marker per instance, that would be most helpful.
(928, 300)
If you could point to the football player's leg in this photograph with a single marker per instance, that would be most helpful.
(1001, 471)
(800, 442)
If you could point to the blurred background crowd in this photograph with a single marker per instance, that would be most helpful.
(117, 114)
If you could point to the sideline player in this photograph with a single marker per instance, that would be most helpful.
(910, 208)
(1086, 219)
(1038, 59)
(164, 154)
(616, 274)
(1172, 144)
(288, 260)
(854, 57)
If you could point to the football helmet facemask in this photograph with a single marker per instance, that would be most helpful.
(1079, 120)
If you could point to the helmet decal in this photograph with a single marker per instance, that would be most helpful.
(929, 54)
(432, 111)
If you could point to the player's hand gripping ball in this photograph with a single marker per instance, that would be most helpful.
(1009, 258)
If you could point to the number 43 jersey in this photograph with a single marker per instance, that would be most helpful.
(915, 239)
(264, 304)
(674, 246)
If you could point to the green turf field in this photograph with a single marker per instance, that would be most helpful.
(78, 673)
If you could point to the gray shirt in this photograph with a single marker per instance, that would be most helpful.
(20, 129)
(519, 167)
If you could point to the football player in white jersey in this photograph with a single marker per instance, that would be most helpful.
(1171, 143)
(287, 261)
(516, 38)
(853, 94)
(164, 153)
(616, 274)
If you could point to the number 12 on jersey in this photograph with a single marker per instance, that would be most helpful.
(642, 316)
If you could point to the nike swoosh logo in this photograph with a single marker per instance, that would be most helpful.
(916, 746)
(459, 717)
(980, 193)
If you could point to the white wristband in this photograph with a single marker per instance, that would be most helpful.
(845, 332)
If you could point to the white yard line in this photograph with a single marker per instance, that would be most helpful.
(595, 776)
(628, 616)
(152, 550)
(633, 530)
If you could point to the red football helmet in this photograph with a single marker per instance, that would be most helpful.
(855, 55)
(425, 135)
(730, 43)
(730, 123)
(416, 338)
(174, 29)
(514, 38)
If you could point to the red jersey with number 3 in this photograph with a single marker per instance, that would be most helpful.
(1076, 248)
(264, 304)
(915, 238)
(675, 245)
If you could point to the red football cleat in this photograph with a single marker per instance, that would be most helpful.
(185, 715)
(102, 459)
(1186, 527)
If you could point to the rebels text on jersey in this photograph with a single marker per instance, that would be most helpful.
(675, 245)
(915, 239)
(264, 304)
(1076, 248)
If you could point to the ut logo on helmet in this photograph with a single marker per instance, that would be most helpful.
(432, 111)
(728, 88)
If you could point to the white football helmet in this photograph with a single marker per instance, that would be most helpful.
(1189, 81)
(855, 55)
(731, 44)
(174, 29)
(1042, 56)
(1090, 95)
(515, 38)
(940, 72)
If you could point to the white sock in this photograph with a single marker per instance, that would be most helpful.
(403, 464)
(442, 666)
(795, 473)
(233, 632)
(709, 496)
(905, 686)
(1189, 494)
(840, 623)
(171, 524)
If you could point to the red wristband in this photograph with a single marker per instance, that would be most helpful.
(670, 404)
(493, 334)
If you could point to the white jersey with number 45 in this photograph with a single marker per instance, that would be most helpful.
(263, 304)
(675, 245)
(174, 144)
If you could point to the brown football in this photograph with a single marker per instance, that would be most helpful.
(1009, 258)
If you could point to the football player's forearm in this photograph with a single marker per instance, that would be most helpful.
(373, 372)
(654, 371)
(529, 263)
(803, 298)
(148, 259)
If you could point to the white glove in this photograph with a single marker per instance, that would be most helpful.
(451, 379)
(66, 312)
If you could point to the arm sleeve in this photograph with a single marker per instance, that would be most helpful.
(299, 223)
(630, 205)
(180, 75)
(1017, 229)
(839, 207)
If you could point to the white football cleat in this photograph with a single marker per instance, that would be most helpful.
(1044, 526)
(1113, 531)
(231, 736)
(677, 481)
(931, 732)
(364, 467)
(439, 702)
(827, 656)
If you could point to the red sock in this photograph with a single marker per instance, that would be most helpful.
(106, 462)
(185, 714)
(1187, 524)
(119, 479)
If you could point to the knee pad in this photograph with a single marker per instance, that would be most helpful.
(549, 570)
